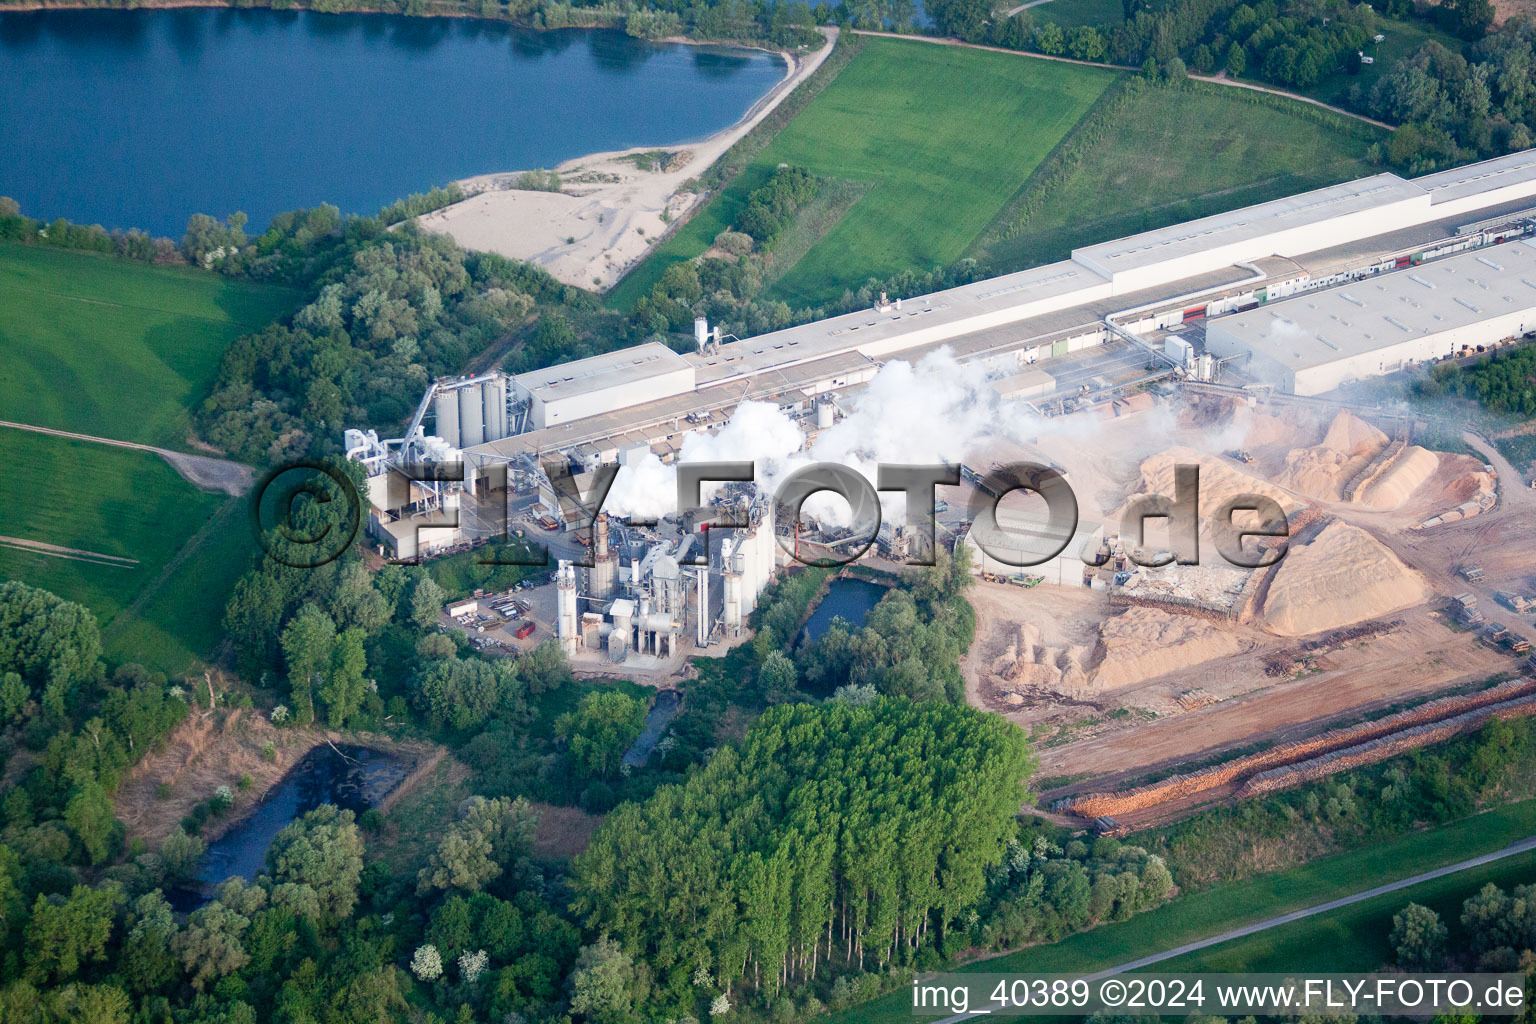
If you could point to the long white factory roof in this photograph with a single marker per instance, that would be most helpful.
(1096, 277)
(1323, 327)
(1249, 224)
(600, 372)
(1510, 171)
(1380, 203)
(873, 331)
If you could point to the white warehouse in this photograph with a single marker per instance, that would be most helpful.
(1313, 343)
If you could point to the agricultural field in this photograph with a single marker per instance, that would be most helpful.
(81, 332)
(940, 136)
(1137, 164)
(125, 516)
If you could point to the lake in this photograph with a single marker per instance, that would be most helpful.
(141, 118)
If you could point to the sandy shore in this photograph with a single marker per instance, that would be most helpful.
(609, 211)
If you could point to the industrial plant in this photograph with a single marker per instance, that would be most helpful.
(1294, 297)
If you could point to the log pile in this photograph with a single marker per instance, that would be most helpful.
(1383, 747)
(1312, 749)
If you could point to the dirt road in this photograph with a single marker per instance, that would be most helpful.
(201, 471)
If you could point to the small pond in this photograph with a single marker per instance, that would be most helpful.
(847, 598)
(665, 708)
(351, 777)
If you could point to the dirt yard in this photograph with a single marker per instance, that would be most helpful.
(1112, 694)
(213, 749)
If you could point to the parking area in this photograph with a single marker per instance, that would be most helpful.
(505, 621)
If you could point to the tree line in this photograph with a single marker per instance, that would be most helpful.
(789, 24)
(1503, 382)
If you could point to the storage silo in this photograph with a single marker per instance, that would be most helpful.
(494, 394)
(446, 407)
(471, 418)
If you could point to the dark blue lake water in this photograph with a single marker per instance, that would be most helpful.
(141, 118)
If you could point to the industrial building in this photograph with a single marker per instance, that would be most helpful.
(1313, 343)
(1051, 336)
(642, 598)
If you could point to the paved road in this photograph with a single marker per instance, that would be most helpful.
(201, 471)
(1519, 846)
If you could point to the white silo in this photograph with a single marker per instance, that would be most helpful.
(471, 418)
(700, 332)
(446, 406)
(494, 394)
(731, 615)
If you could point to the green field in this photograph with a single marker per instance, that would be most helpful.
(99, 345)
(941, 135)
(1014, 160)
(1148, 157)
(1230, 905)
(128, 504)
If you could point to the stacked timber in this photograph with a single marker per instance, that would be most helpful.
(1383, 747)
(1094, 805)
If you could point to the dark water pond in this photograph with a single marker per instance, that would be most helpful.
(849, 599)
(351, 777)
(665, 708)
(141, 118)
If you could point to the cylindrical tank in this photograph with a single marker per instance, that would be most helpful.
(446, 406)
(731, 615)
(471, 418)
(566, 626)
(825, 414)
(494, 395)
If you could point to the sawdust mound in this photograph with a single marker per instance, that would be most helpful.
(1465, 479)
(1147, 642)
(1268, 427)
(1342, 577)
(1219, 480)
(1030, 664)
(1398, 481)
(1350, 434)
(1324, 469)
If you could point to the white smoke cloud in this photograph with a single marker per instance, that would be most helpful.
(937, 410)
(757, 431)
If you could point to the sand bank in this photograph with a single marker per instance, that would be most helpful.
(609, 211)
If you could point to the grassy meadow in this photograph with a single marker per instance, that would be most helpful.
(104, 346)
(939, 137)
(100, 345)
(1149, 157)
(951, 151)
(127, 505)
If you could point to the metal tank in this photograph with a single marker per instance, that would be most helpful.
(446, 406)
(471, 418)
